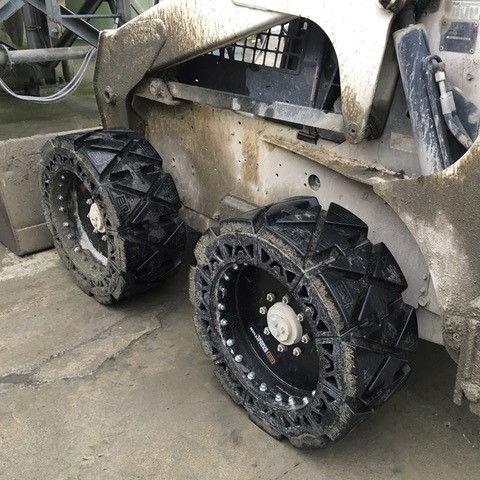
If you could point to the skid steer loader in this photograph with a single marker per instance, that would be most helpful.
(328, 151)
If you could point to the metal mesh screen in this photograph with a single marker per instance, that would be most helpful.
(279, 47)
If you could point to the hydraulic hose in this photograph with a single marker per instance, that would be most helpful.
(435, 109)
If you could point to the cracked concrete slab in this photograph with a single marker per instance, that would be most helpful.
(85, 359)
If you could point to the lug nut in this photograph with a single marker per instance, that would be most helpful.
(263, 387)
(235, 266)
(291, 401)
(61, 209)
(62, 177)
(226, 276)
(238, 358)
(281, 347)
(263, 310)
(66, 224)
(251, 375)
(278, 397)
(297, 351)
(77, 249)
(300, 317)
(230, 342)
(306, 338)
(221, 307)
(89, 201)
(270, 297)
(60, 197)
(104, 238)
(305, 400)
(286, 299)
(222, 289)
(266, 331)
(223, 322)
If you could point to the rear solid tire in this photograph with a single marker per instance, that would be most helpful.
(349, 293)
(138, 204)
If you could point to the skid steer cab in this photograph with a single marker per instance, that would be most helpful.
(329, 153)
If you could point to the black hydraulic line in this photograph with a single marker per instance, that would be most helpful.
(433, 96)
(447, 103)
(428, 128)
(458, 130)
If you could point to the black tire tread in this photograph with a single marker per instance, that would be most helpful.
(140, 201)
(361, 282)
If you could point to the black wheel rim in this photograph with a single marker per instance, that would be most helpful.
(285, 379)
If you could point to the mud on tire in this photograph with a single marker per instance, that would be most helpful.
(136, 204)
(346, 293)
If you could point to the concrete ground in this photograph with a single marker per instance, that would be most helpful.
(125, 392)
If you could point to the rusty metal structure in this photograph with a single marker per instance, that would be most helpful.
(256, 112)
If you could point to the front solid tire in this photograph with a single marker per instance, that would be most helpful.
(141, 236)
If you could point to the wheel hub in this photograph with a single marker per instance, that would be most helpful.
(96, 218)
(284, 324)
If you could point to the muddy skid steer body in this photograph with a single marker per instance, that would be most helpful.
(328, 152)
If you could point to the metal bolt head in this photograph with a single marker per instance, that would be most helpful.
(238, 358)
(222, 288)
(221, 307)
(286, 299)
(251, 375)
(62, 177)
(226, 276)
(300, 317)
(95, 230)
(230, 342)
(60, 197)
(305, 400)
(263, 310)
(61, 209)
(297, 351)
(422, 301)
(266, 331)
(104, 238)
(70, 236)
(77, 249)
(66, 224)
(270, 297)
(235, 266)
(278, 397)
(89, 201)
(281, 347)
(306, 338)
(263, 387)
(291, 401)
(223, 322)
